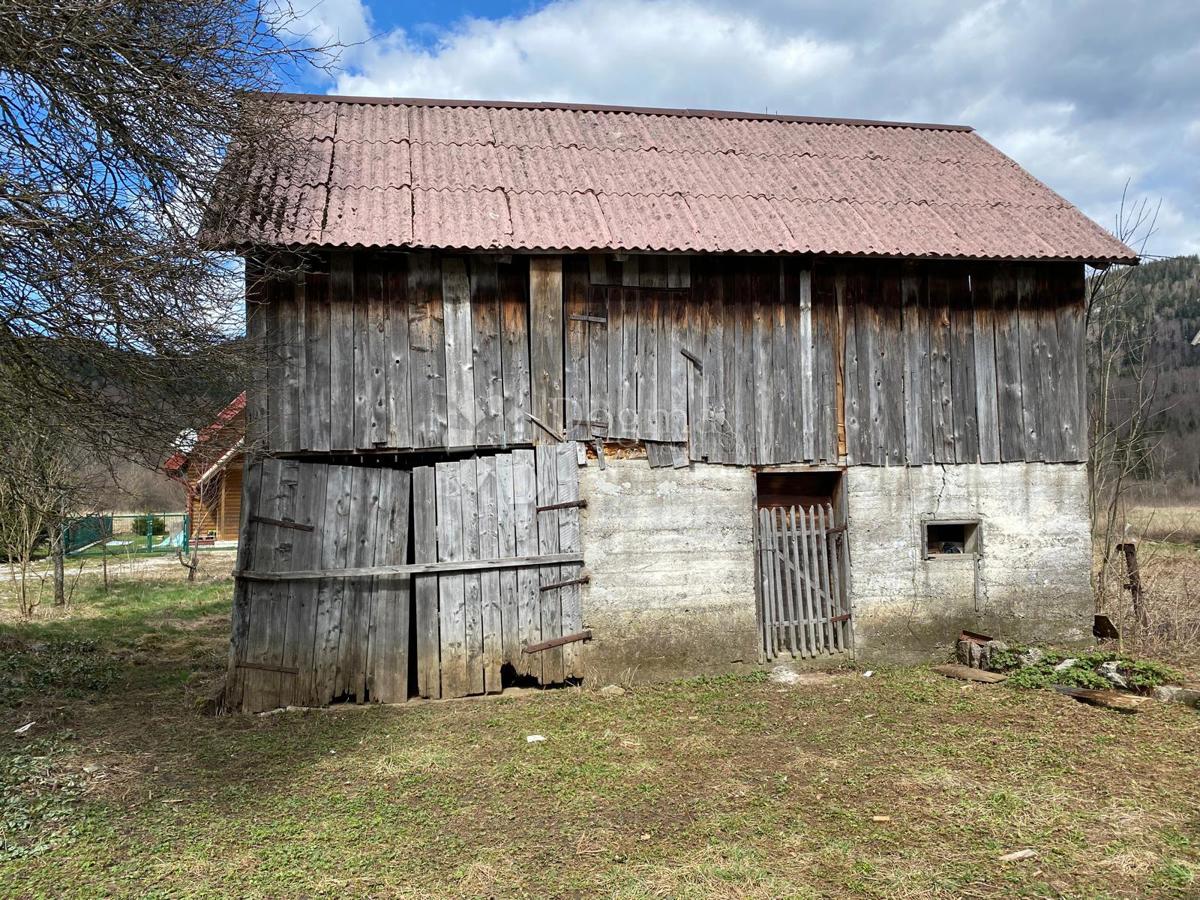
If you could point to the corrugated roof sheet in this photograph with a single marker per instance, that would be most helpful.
(505, 176)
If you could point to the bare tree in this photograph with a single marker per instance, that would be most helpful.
(1124, 388)
(116, 118)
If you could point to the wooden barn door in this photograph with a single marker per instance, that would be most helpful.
(516, 509)
(803, 583)
(308, 640)
(326, 587)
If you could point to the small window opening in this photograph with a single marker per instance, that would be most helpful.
(951, 539)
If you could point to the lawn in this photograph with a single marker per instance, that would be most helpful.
(716, 787)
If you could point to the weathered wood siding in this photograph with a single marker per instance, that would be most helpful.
(736, 360)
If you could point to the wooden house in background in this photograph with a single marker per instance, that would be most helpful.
(562, 392)
(210, 467)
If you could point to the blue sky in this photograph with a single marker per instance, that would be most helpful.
(1089, 95)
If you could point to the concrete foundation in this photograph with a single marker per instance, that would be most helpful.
(670, 553)
(1030, 582)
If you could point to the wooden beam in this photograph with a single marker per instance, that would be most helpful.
(454, 567)
(546, 342)
(585, 635)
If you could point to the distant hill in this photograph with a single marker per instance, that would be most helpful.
(1170, 290)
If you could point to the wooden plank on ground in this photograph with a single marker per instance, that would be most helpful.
(966, 673)
(546, 342)
(486, 354)
(548, 542)
(427, 349)
(425, 587)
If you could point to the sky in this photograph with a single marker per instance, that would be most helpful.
(1090, 96)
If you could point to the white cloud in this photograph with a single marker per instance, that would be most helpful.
(1085, 105)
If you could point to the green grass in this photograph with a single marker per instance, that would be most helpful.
(716, 787)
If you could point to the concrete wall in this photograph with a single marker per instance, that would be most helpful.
(671, 558)
(1033, 575)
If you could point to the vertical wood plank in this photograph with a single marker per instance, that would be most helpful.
(808, 391)
(962, 361)
(331, 593)
(397, 388)
(489, 547)
(427, 351)
(452, 632)
(472, 581)
(1032, 363)
(268, 602)
(853, 295)
(765, 615)
(506, 535)
(822, 536)
(576, 372)
(1072, 409)
(341, 350)
(827, 365)
(804, 564)
(486, 352)
(548, 537)
(291, 324)
(649, 426)
(315, 429)
(940, 366)
(425, 587)
(257, 404)
(240, 620)
(525, 520)
(597, 352)
(302, 612)
(356, 606)
(377, 362)
(1050, 388)
(835, 568)
(918, 390)
(1010, 406)
(460, 373)
(546, 342)
(570, 597)
(514, 352)
(388, 638)
(986, 388)
(743, 365)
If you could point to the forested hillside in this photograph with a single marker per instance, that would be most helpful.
(1169, 290)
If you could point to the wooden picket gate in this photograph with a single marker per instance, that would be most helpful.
(803, 589)
(326, 590)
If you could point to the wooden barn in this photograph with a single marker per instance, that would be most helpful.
(210, 467)
(571, 392)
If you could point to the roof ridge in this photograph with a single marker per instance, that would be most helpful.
(601, 108)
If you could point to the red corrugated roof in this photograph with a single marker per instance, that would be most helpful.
(511, 176)
(204, 440)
